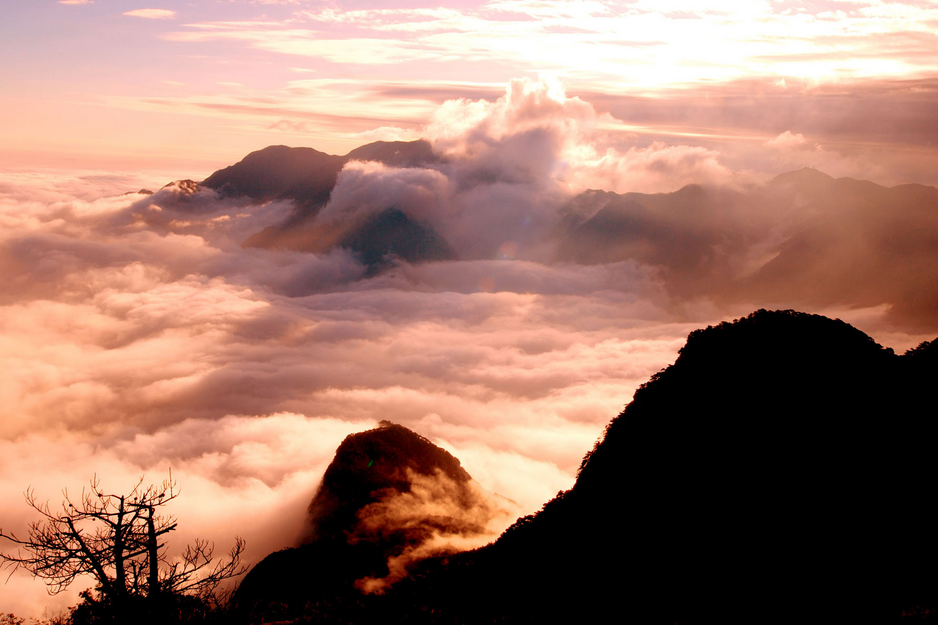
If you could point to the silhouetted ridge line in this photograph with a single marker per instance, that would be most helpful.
(771, 474)
(777, 472)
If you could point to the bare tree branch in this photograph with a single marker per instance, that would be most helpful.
(115, 538)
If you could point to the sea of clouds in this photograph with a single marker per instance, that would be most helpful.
(137, 335)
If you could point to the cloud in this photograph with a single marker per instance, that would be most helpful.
(152, 14)
(76, 1)
(788, 141)
(271, 461)
(537, 132)
(137, 334)
(723, 42)
(509, 165)
(654, 168)
(439, 515)
(136, 322)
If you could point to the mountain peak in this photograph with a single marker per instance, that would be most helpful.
(366, 465)
(804, 178)
(769, 475)
(389, 499)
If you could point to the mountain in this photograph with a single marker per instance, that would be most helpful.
(779, 471)
(278, 172)
(396, 153)
(804, 179)
(306, 177)
(390, 235)
(388, 499)
(859, 243)
(803, 238)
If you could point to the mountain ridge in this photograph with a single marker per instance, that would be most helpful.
(773, 473)
(803, 239)
(719, 520)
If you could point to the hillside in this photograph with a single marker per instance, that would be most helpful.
(777, 472)
(388, 499)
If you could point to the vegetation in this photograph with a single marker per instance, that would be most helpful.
(117, 540)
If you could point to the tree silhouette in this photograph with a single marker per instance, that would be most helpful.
(116, 539)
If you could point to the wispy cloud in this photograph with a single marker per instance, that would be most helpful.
(834, 42)
(76, 1)
(152, 14)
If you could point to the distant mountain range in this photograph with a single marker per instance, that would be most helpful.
(803, 239)
(780, 471)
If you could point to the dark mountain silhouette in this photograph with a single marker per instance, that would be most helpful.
(803, 238)
(388, 499)
(780, 471)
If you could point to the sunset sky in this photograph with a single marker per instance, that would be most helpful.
(132, 343)
(192, 86)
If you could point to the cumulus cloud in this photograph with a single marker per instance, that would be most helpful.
(367, 188)
(509, 165)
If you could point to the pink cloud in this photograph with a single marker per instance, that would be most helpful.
(152, 14)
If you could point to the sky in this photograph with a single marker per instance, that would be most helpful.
(189, 86)
(137, 335)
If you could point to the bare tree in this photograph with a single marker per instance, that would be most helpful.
(116, 539)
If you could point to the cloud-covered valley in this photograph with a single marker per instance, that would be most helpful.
(139, 333)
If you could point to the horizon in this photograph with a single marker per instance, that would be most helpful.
(139, 333)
